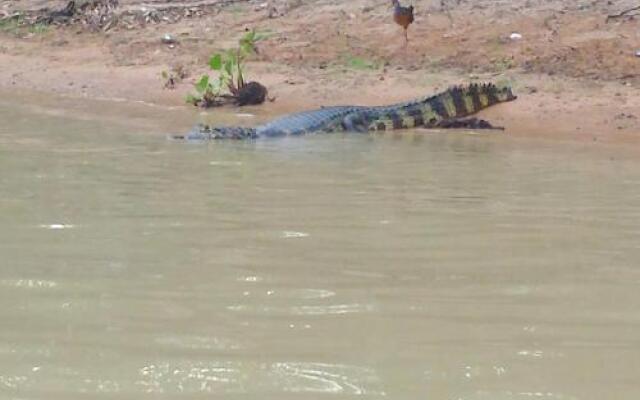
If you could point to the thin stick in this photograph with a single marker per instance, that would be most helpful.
(622, 13)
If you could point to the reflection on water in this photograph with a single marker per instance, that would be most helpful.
(278, 377)
(448, 266)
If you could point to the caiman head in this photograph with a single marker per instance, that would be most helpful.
(202, 132)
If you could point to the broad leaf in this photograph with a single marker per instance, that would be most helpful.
(247, 48)
(216, 62)
(203, 84)
(191, 99)
(216, 85)
(260, 36)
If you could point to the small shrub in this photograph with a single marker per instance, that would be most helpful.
(361, 63)
(16, 25)
(230, 73)
(175, 75)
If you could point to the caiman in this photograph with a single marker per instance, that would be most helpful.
(443, 110)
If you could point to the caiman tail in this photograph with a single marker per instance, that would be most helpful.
(443, 109)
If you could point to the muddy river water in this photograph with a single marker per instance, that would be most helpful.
(438, 266)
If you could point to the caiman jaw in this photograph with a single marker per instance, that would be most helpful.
(203, 132)
(232, 132)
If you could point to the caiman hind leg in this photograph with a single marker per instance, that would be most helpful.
(355, 122)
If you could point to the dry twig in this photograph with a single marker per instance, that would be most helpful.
(624, 13)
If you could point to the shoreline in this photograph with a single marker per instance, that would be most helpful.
(304, 70)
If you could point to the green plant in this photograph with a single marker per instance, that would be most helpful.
(38, 28)
(16, 25)
(229, 66)
(173, 76)
(10, 24)
(361, 63)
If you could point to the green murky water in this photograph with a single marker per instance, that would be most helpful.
(440, 266)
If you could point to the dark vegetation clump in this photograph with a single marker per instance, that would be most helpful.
(94, 14)
(230, 87)
(251, 93)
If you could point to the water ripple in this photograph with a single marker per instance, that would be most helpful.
(12, 382)
(201, 377)
(197, 343)
(29, 283)
(331, 309)
(296, 377)
(326, 378)
(521, 395)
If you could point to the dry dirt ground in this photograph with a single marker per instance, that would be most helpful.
(574, 68)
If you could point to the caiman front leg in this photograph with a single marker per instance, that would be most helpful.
(355, 123)
(466, 123)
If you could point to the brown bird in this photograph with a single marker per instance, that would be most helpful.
(403, 17)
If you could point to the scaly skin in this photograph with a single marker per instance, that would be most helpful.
(442, 110)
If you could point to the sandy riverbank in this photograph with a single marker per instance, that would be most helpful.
(575, 72)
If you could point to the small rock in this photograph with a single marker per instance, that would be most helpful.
(637, 53)
(515, 36)
(168, 39)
